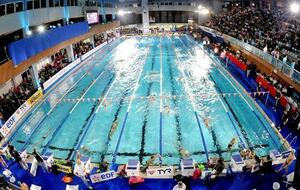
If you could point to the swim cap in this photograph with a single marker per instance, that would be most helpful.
(201, 166)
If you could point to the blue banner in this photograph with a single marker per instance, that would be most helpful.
(23, 49)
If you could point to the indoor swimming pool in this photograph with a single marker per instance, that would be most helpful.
(141, 96)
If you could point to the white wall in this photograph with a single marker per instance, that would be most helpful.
(13, 22)
(5, 87)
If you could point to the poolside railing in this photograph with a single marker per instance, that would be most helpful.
(284, 67)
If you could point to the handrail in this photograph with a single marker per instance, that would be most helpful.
(286, 68)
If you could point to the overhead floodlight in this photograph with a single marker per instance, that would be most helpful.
(41, 29)
(29, 32)
(122, 12)
(204, 11)
(200, 7)
(295, 7)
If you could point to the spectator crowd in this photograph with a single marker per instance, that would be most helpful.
(59, 61)
(270, 31)
(15, 97)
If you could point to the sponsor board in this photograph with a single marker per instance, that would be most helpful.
(12, 121)
(21, 111)
(99, 177)
(160, 172)
(35, 97)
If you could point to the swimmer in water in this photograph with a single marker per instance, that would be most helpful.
(183, 152)
(85, 149)
(206, 122)
(152, 98)
(231, 144)
(150, 162)
(113, 128)
(167, 109)
(181, 79)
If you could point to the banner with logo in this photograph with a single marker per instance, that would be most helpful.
(36, 97)
(99, 177)
(12, 121)
(161, 172)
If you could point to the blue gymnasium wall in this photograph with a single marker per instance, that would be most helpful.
(23, 49)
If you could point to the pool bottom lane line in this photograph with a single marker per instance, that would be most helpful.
(194, 107)
(253, 111)
(128, 109)
(218, 89)
(86, 126)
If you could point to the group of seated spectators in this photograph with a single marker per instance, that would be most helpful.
(291, 109)
(132, 30)
(15, 97)
(99, 39)
(81, 48)
(59, 61)
(267, 30)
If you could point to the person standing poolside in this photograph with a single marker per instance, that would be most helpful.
(79, 170)
(40, 160)
(15, 154)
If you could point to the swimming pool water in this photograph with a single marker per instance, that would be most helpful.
(161, 92)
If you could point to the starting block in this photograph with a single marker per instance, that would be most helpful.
(187, 167)
(276, 157)
(48, 159)
(237, 163)
(133, 168)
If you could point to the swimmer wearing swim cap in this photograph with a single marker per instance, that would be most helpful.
(113, 128)
(231, 144)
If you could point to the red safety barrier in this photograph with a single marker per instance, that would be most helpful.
(272, 90)
(237, 62)
(264, 83)
(283, 101)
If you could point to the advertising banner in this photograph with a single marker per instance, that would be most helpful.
(161, 172)
(99, 177)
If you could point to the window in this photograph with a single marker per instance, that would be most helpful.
(51, 3)
(19, 6)
(56, 3)
(75, 2)
(29, 5)
(43, 4)
(61, 3)
(10, 8)
(37, 4)
(2, 10)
